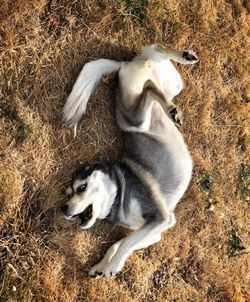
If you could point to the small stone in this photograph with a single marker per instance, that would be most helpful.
(212, 208)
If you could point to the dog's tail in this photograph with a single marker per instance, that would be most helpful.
(84, 86)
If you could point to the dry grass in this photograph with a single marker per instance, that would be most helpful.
(44, 45)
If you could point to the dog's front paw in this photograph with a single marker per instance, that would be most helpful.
(104, 270)
(190, 57)
(176, 116)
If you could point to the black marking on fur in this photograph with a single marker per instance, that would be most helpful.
(137, 189)
(178, 121)
(129, 187)
(149, 217)
(113, 214)
(84, 172)
(173, 111)
(64, 208)
(188, 56)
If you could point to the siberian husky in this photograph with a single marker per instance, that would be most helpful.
(142, 191)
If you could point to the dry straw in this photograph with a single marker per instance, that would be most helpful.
(44, 45)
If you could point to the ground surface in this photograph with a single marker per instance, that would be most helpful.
(44, 45)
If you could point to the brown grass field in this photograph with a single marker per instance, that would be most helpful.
(44, 44)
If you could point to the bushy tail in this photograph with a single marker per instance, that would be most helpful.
(85, 84)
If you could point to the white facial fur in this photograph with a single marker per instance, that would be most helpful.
(100, 193)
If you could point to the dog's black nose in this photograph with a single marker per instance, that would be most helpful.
(64, 208)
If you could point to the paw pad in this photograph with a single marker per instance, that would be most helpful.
(176, 115)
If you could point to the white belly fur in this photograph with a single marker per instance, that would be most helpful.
(133, 76)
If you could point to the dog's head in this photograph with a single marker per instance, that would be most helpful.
(91, 194)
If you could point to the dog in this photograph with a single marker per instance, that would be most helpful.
(142, 191)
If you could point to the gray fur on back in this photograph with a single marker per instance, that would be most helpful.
(152, 155)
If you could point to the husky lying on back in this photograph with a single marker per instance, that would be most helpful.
(142, 192)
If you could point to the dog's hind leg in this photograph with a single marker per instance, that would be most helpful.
(171, 110)
(137, 118)
(180, 56)
(163, 72)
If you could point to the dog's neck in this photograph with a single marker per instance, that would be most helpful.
(119, 182)
(108, 192)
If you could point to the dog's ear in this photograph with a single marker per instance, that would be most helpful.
(86, 169)
(79, 170)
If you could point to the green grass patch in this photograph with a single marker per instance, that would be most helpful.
(242, 143)
(244, 97)
(215, 293)
(245, 181)
(4, 286)
(246, 176)
(14, 124)
(8, 112)
(3, 154)
(135, 8)
(234, 243)
(23, 131)
(212, 292)
(205, 183)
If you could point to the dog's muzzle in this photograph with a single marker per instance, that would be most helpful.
(84, 216)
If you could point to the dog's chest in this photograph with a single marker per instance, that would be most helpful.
(130, 214)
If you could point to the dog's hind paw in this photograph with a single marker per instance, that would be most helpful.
(176, 116)
(190, 56)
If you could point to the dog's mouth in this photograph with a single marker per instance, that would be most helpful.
(86, 215)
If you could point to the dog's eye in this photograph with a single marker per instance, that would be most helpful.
(82, 188)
